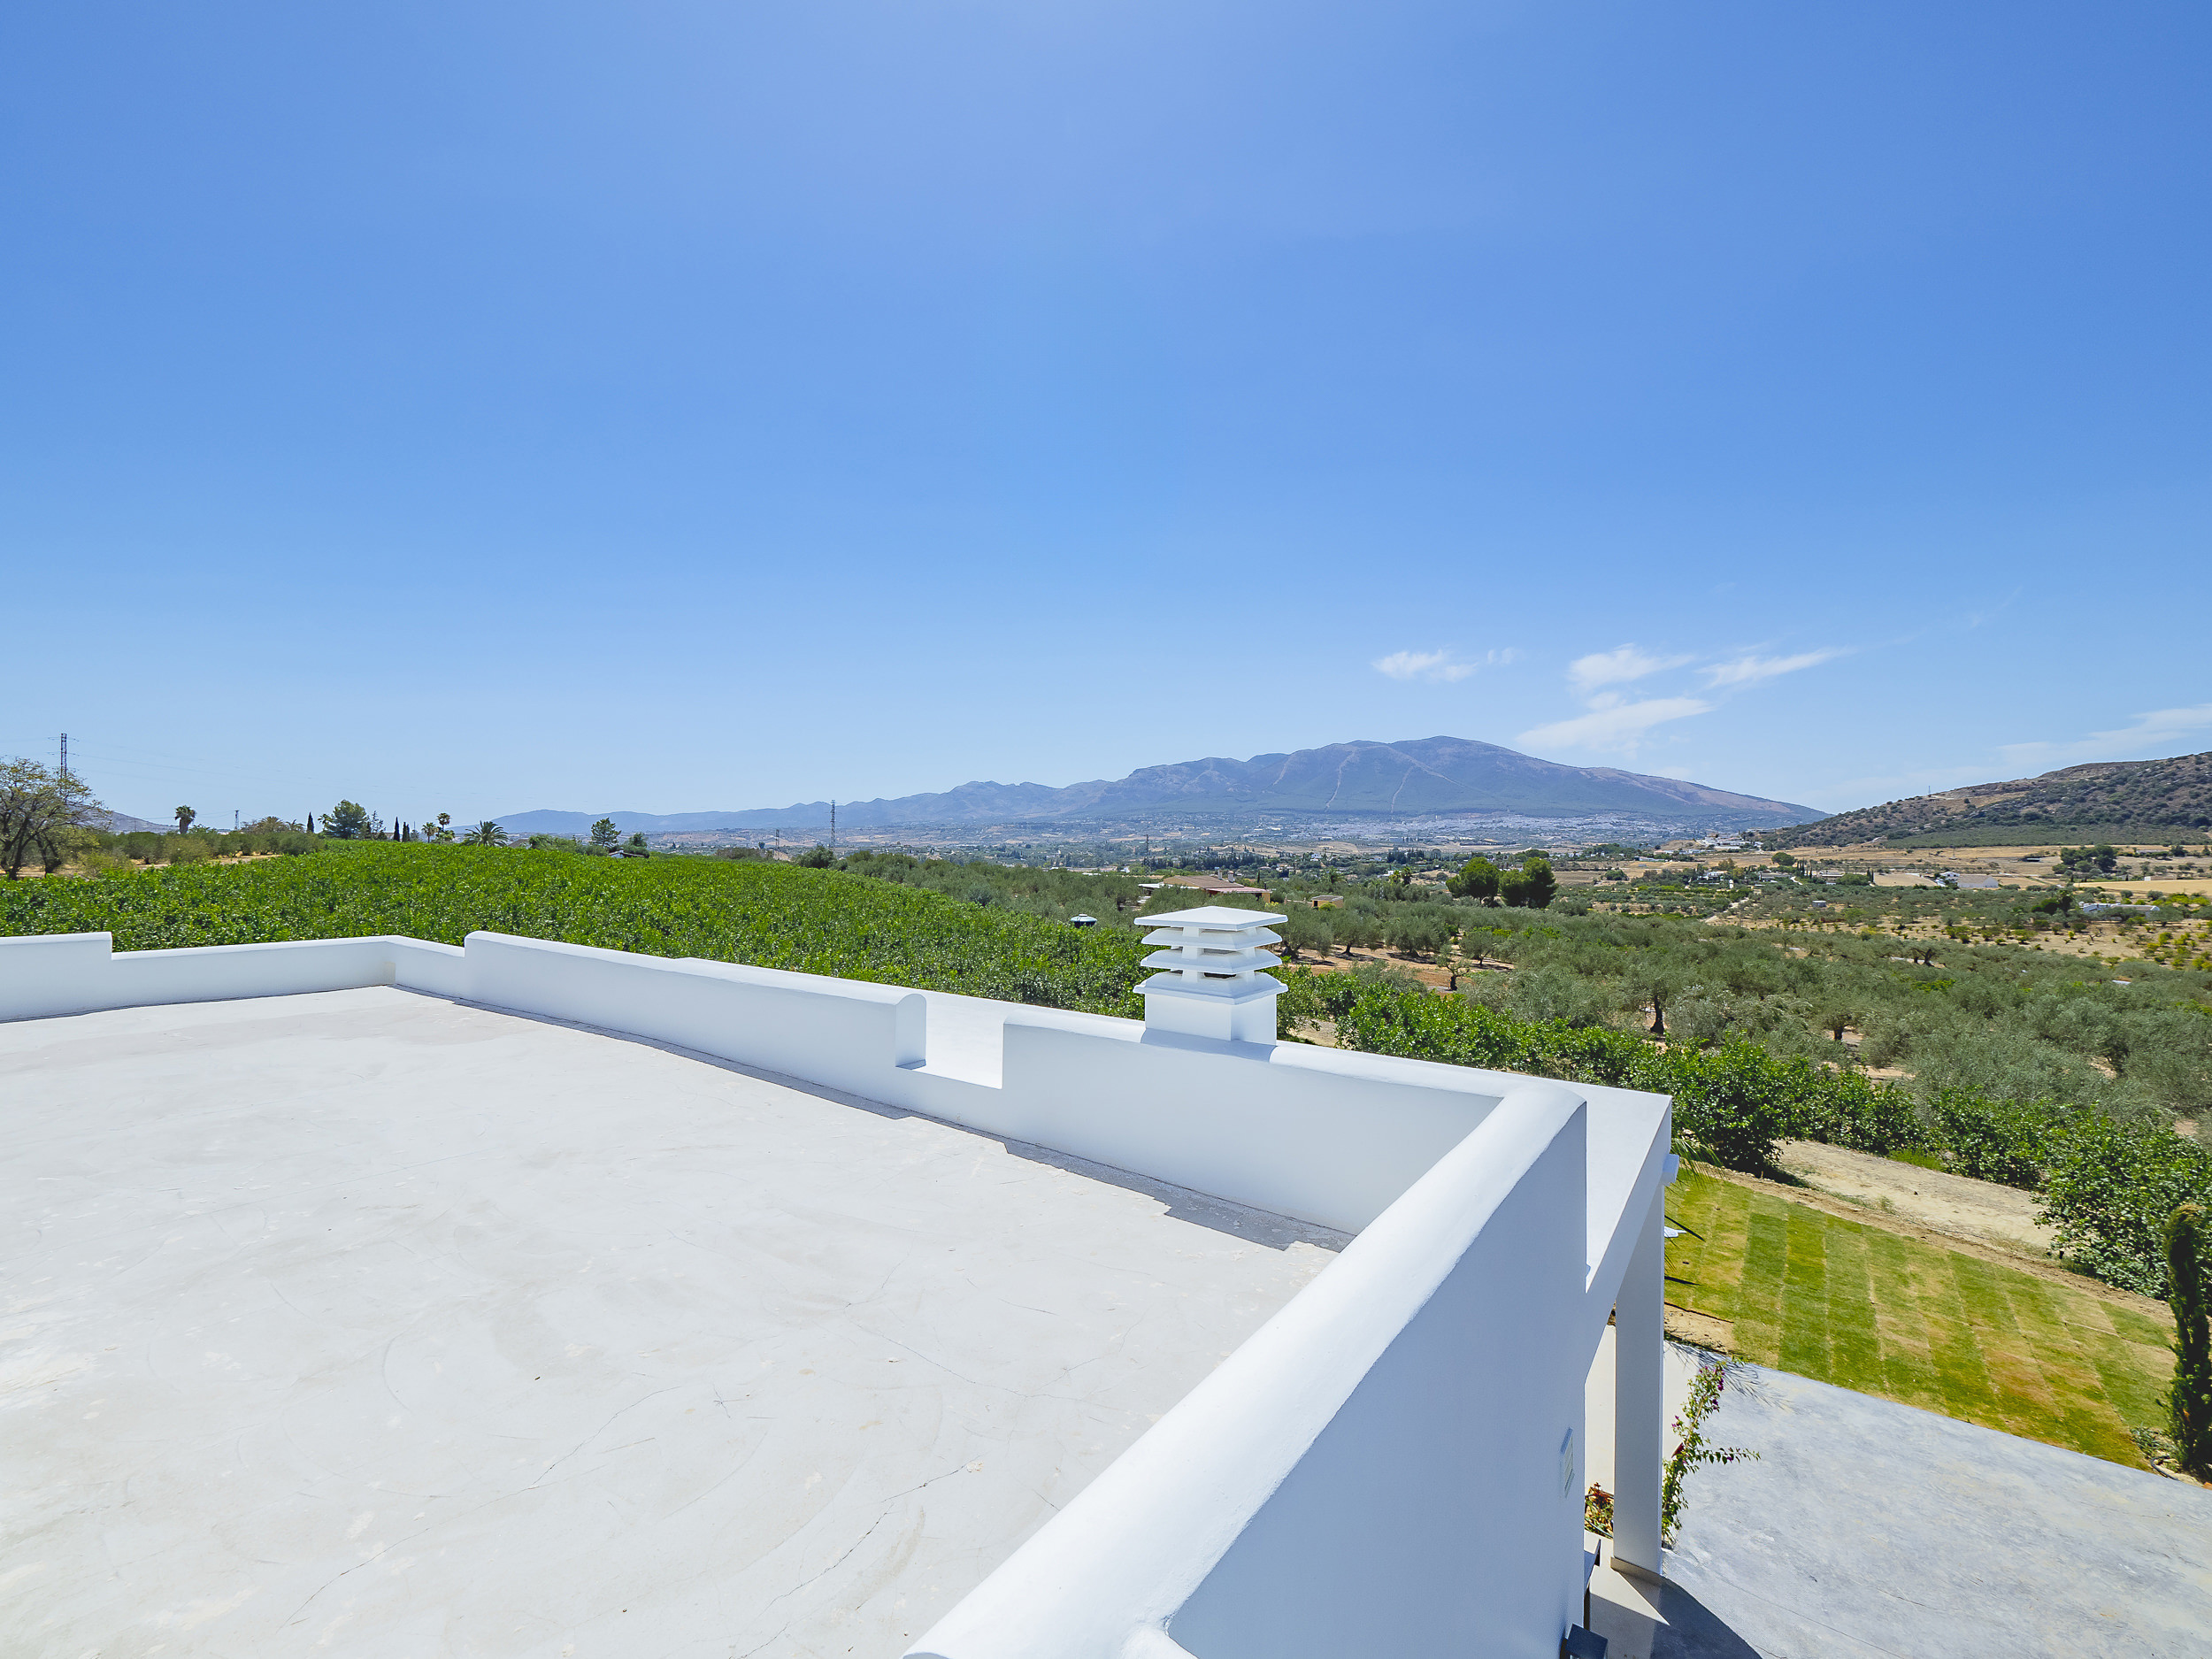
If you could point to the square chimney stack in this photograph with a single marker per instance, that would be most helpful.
(1211, 982)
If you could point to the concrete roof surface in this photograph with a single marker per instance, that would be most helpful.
(1868, 1528)
(372, 1323)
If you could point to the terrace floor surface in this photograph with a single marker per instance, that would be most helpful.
(1870, 1530)
(369, 1322)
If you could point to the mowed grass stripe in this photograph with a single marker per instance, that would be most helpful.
(1901, 1331)
(1868, 1309)
(1804, 1346)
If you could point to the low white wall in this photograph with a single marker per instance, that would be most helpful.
(1280, 1126)
(845, 1033)
(45, 975)
(1324, 1136)
(1378, 1471)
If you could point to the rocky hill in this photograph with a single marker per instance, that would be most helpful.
(2113, 800)
(1431, 775)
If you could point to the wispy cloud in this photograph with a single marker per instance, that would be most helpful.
(1751, 669)
(1616, 667)
(1615, 724)
(2160, 728)
(1439, 666)
(2160, 724)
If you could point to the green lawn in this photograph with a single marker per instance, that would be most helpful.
(1855, 1305)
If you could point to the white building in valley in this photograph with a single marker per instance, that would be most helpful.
(384, 1297)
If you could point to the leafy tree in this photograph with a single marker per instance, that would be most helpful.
(348, 823)
(1785, 861)
(487, 834)
(637, 848)
(1478, 878)
(1419, 934)
(186, 816)
(41, 813)
(1361, 928)
(1307, 930)
(1652, 979)
(1532, 885)
(815, 857)
(2103, 858)
(2189, 1401)
(603, 834)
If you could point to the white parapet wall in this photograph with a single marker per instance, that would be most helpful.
(1390, 1466)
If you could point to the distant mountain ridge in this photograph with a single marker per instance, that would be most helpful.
(2105, 798)
(1417, 778)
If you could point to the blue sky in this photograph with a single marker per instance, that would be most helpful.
(482, 407)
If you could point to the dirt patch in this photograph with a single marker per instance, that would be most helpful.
(1430, 974)
(1700, 1329)
(1956, 1204)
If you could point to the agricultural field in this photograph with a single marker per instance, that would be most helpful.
(1928, 989)
(1931, 1029)
(1787, 1285)
(767, 915)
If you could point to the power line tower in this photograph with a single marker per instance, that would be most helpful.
(64, 754)
(833, 829)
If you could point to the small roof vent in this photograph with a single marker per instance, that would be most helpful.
(1212, 979)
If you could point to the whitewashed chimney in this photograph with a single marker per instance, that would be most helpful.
(1211, 982)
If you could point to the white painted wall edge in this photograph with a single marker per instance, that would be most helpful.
(1325, 1135)
(1112, 1568)
(1353, 1141)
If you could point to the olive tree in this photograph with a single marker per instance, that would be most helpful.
(43, 812)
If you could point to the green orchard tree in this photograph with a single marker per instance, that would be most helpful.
(2189, 1400)
(1478, 878)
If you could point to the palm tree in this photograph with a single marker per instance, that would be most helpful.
(487, 834)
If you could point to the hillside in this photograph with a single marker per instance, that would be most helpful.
(1433, 775)
(2103, 801)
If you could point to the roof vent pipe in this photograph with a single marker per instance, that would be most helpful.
(1211, 982)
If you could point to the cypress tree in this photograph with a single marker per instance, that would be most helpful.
(2189, 1402)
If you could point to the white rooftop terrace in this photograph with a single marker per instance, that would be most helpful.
(394, 1298)
(370, 1320)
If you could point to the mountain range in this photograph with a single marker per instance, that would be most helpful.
(2106, 800)
(1425, 777)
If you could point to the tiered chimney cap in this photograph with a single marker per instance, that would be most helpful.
(1211, 982)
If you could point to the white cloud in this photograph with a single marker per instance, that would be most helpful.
(1750, 670)
(1616, 667)
(2162, 728)
(2160, 724)
(1615, 724)
(1437, 665)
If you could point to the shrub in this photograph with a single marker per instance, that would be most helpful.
(1846, 1110)
(1735, 1102)
(2189, 1400)
(2110, 1190)
(1993, 1140)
